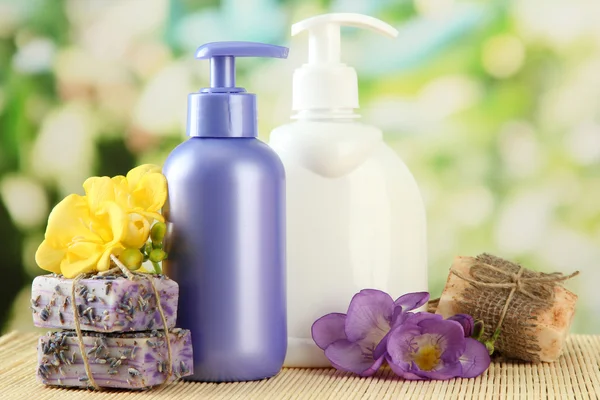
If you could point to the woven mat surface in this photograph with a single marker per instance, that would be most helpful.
(575, 376)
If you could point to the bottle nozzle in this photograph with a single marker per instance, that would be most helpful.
(222, 59)
(224, 110)
(324, 33)
(324, 83)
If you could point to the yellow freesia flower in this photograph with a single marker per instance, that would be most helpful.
(79, 240)
(143, 191)
(83, 231)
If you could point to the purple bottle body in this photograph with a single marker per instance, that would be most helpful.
(226, 249)
(225, 215)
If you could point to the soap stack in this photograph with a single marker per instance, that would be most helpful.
(122, 331)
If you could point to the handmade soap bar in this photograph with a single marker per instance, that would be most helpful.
(119, 360)
(110, 303)
(539, 315)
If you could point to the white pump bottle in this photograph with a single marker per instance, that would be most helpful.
(355, 217)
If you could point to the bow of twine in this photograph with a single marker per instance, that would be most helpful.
(131, 276)
(537, 286)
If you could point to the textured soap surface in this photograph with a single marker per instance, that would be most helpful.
(105, 303)
(119, 360)
(550, 326)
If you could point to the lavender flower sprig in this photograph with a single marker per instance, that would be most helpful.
(416, 345)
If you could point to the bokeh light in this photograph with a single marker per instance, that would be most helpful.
(494, 106)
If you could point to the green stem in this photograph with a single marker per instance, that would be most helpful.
(157, 269)
(490, 343)
(496, 335)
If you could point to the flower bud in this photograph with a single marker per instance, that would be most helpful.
(478, 330)
(137, 231)
(466, 321)
(158, 232)
(157, 255)
(131, 258)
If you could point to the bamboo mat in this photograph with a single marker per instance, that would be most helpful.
(575, 376)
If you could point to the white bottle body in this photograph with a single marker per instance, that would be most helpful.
(355, 220)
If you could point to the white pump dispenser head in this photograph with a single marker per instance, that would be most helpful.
(325, 83)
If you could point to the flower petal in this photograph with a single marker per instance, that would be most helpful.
(121, 191)
(401, 372)
(81, 258)
(49, 258)
(328, 329)
(82, 250)
(104, 261)
(400, 344)
(381, 348)
(352, 357)
(151, 192)
(410, 301)
(135, 175)
(150, 215)
(475, 359)
(449, 336)
(409, 376)
(443, 372)
(118, 221)
(416, 318)
(143, 191)
(369, 316)
(70, 219)
(97, 191)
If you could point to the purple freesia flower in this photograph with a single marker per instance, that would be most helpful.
(416, 345)
(356, 341)
(425, 346)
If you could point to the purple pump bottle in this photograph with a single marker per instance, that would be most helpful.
(226, 228)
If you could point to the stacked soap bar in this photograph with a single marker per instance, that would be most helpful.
(133, 360)
(105, 303)
(122, 331)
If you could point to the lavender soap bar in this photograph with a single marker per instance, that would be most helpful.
(126, 360)
(109, 303)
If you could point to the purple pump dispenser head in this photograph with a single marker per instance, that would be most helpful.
(224, 110)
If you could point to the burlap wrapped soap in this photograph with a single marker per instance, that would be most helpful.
(531, 310)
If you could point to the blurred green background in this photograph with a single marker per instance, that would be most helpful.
(494, 105)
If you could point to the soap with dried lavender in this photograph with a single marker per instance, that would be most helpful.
(131, 360)
(106, 303)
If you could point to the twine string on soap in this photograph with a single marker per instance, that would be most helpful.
(131, 276)
(166, 330)
(544, 284)
(517, 281)
(86, 363)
